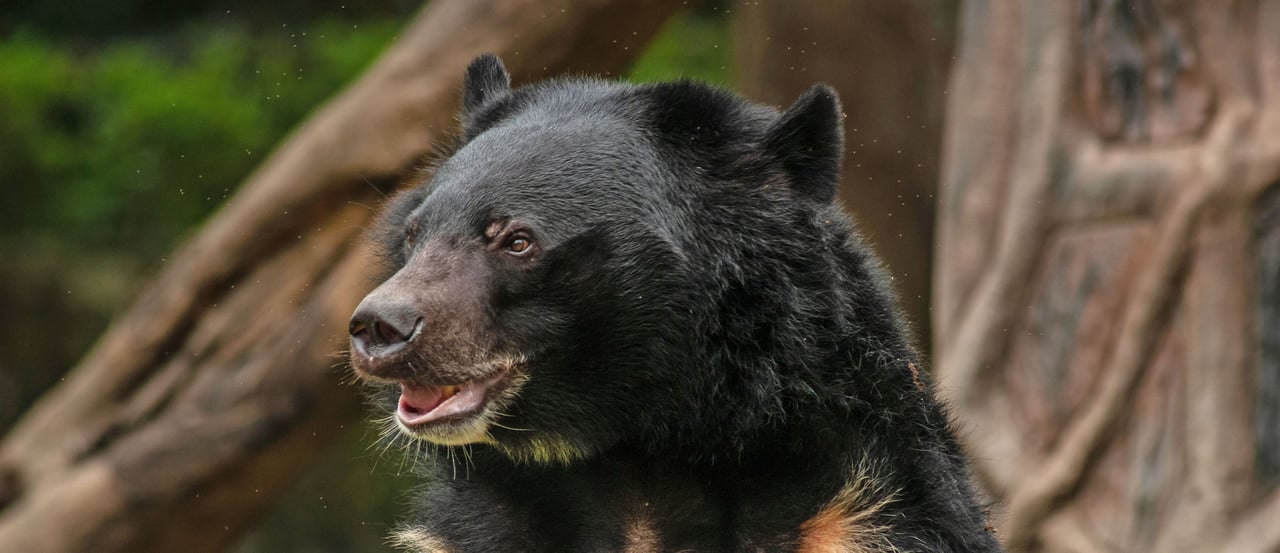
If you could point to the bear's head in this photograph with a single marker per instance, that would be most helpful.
(601, 263)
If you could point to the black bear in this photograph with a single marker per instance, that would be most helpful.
(630, 318)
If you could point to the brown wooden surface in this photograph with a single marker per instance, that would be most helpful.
(1106, 271)
(889, 62)
(221, 383)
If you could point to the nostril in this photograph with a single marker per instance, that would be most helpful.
(387, 334)
(357, 328)
(376, 325)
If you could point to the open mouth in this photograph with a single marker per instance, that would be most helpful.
(422, 407)
(451, 413)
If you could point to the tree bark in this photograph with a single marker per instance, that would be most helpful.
(1108, 259)
(222, 381)
(889, 61)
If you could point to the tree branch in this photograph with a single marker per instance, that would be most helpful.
(1105, 184)
(1144, 318)
(1054, 479)
(1257, 531)
(977, 341)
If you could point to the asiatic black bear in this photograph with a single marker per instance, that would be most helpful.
(634, 320)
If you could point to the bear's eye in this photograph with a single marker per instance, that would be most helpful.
(519, 245)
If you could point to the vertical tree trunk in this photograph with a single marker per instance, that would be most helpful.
(889, 61)
(1107, 270)
(219, 385)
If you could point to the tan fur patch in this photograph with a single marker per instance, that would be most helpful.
(915, 376)
(417, 541)
(640, 530)
(846, 523)
(544, 449)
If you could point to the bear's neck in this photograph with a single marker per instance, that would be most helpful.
(632, 497)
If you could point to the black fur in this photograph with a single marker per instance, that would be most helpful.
(712, 355)
(486, 81)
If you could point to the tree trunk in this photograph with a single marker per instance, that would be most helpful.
(889, 62)
(222, 381)
(1108, 270)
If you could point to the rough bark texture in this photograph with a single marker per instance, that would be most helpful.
(1107, 270)
(221, 382)
(889, 62)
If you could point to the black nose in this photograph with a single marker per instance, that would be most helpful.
(383, 326)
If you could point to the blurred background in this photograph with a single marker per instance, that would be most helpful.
(1078, 211)
(128, 123)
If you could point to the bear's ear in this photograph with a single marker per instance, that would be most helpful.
(486, 80)
(808, 141)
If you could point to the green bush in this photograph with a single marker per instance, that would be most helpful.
(694, 45)
(130, 146)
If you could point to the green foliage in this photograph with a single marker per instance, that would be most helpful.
(694, 45)
(130, 146)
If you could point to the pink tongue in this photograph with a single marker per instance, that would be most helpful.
(423, 404)
(416, 401)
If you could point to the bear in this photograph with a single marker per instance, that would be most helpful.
(631, 317)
